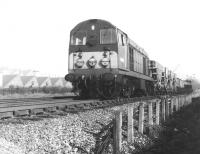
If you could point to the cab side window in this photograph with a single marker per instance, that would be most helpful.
(131, 58)
(121, 39)
(124, 39)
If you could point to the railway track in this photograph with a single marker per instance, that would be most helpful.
(10, 108)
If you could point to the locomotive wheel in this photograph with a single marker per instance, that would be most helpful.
(127, 92)
(81, 90)
(82, 93)
(76, 90)
(109, 91)
(86, 93)
(140, 93)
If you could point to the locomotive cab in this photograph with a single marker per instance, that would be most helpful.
(93, 45)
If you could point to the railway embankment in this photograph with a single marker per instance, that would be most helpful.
(180, 134)
(78, 132)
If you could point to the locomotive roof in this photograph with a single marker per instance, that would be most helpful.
(100, 22)
(138, 47)
(105, 24)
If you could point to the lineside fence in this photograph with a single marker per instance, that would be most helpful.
(149, 113)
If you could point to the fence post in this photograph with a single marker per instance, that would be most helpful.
(163, 110)
(172, 106)
(141, 118)
(158, 112)
(186, 102)
(150, 110)
(167, 107)
(118, 132)
(130, 124)
(177, 104)
(187, 99)
(191, 98)
(181, 101)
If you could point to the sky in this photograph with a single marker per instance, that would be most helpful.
(34, 34)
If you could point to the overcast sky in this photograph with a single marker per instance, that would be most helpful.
(34, 34)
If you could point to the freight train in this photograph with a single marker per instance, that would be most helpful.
(104, 62)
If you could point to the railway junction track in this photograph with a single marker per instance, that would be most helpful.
(16, 107)
(10, 108)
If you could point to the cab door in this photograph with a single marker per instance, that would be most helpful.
(122, 51)
(144, 66)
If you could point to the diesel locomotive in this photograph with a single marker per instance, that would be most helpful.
(104, 62)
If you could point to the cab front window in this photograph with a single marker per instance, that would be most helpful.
(78, 38)
(108, 36)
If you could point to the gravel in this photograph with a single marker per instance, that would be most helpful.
(8, 148)
(58, 134)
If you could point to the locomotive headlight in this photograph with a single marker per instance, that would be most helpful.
(79, 63)
(105, 61)
(92, 61)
